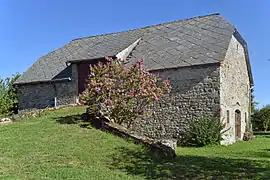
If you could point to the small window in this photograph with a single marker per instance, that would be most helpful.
(246, 118)
(228, 117)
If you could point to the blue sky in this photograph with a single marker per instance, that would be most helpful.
(32, 28)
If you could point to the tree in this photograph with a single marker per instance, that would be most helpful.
(261, 118)
(253, 102)
(8, 95)
(122, 93)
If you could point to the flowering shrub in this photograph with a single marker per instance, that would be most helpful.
(120, 92)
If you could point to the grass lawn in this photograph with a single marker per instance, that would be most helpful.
(55, 146)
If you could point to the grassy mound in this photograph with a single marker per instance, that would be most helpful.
(58, 146)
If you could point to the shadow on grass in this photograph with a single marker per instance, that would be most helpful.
(145, 164)
(259, 154)
(72, 119)
(80, 119)
(262, 154)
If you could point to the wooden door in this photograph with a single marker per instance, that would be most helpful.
(83, 73)
(238, 124)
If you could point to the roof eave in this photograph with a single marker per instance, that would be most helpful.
(179, 67)
(45, 81)
(74, 61)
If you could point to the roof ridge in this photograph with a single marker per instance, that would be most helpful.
(145, 27)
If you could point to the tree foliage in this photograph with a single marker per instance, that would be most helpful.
(261, 119)
(120, 92)
(253, 102)
(8, 96)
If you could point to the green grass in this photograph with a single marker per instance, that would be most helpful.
(57, 146)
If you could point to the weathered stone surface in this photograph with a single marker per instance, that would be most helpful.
(195, 93)
(234, 90)
(4, 121)
(167, 146)
(42, 95)
(168, 142)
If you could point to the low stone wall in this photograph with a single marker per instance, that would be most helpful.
(195, 93)
(5, 121)
(163, 147)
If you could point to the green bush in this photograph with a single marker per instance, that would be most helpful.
(8, 96)
(261, 119)
(204, 131)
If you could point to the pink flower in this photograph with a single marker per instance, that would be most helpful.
(91, 75)
(108, 58)
(131, 93)
(97, 89)
(112, 107)
(146, 74)
(167, 85)
(107, 101)
(139, 64)
(155, 96)
(139, 61)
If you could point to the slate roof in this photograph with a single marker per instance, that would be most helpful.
(194, 41)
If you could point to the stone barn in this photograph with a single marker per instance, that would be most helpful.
(205, 58)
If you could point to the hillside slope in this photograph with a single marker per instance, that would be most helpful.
(56, 146)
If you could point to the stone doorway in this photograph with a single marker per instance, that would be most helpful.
(237, 124)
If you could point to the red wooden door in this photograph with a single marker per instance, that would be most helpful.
(83, 73)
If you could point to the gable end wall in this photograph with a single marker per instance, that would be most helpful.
(234, 89)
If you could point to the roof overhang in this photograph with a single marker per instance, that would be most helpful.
(76, 61)
(121, 55)
(182, 67)
(46, 81)
(238, 36)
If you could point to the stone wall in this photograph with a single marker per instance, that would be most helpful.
(195, 93)
(42, 95)
(234, 90)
